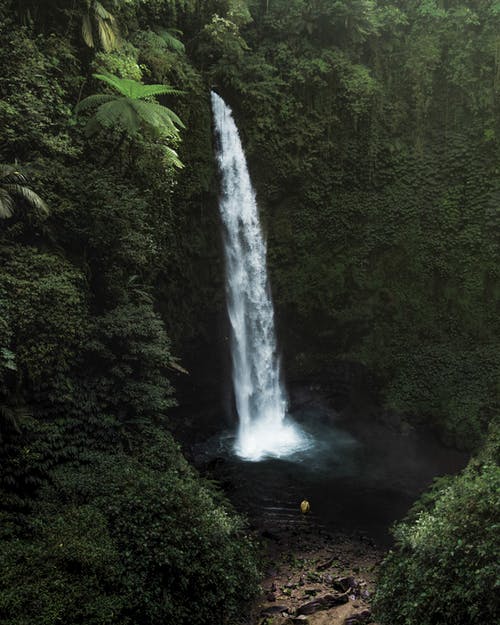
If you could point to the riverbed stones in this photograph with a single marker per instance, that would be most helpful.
(360, 618)
(343, 584)
(272, 610)
(301, 619)
(322, 603)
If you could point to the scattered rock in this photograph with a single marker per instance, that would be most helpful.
(273, 609)
(344, 583)
(322, 603)
(359, 619)
(301, 619)
(325, 565)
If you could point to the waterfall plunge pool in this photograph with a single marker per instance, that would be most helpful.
(360, 473)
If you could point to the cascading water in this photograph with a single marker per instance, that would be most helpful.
(264, 429)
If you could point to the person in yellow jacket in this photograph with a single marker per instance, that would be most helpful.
(305, 506)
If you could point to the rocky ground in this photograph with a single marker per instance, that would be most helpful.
(316, 578)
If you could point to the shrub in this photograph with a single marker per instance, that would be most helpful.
(444, 569)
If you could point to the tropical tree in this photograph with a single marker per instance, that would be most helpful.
(15, 185)
(132, 110)
(99, 25)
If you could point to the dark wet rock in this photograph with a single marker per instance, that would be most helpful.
(301, 619)
(325, 565)
(343, 584)
(271, 536)
(273, 609)
(360, 618)
(322, 603)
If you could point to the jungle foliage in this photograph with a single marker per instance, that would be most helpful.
(444, 567)
(373, 134)
(102, 519)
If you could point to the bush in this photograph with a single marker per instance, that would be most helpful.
(444, 570)
(127, 540)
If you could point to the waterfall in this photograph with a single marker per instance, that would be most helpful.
(264, 430)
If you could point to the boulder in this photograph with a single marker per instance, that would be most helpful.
(273, 609)
(360, 618)
(322, 603)
(343, 584)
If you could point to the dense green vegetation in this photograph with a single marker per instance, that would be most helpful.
(444, 568)
(372, 130)
(102, 519)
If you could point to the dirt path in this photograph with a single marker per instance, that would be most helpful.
(315, 578)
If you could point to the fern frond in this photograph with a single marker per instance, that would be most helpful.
(136, 90)
(169, 36)
(91, 101)
(164, 112)
(118, 112)
(172, 158)
(155, 116)
(114, 81)
(150, 90)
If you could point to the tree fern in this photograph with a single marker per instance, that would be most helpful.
(170, 37)
(131, 110)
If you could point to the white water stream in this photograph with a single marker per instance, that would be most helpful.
(264, 429)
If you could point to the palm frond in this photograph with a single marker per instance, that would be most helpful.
(103, 13)
(173, 364)
(6, 204)
(108, 34)
(11, 174)
(9, 418)
(87, 34)
(93, 100)
(29, 196)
